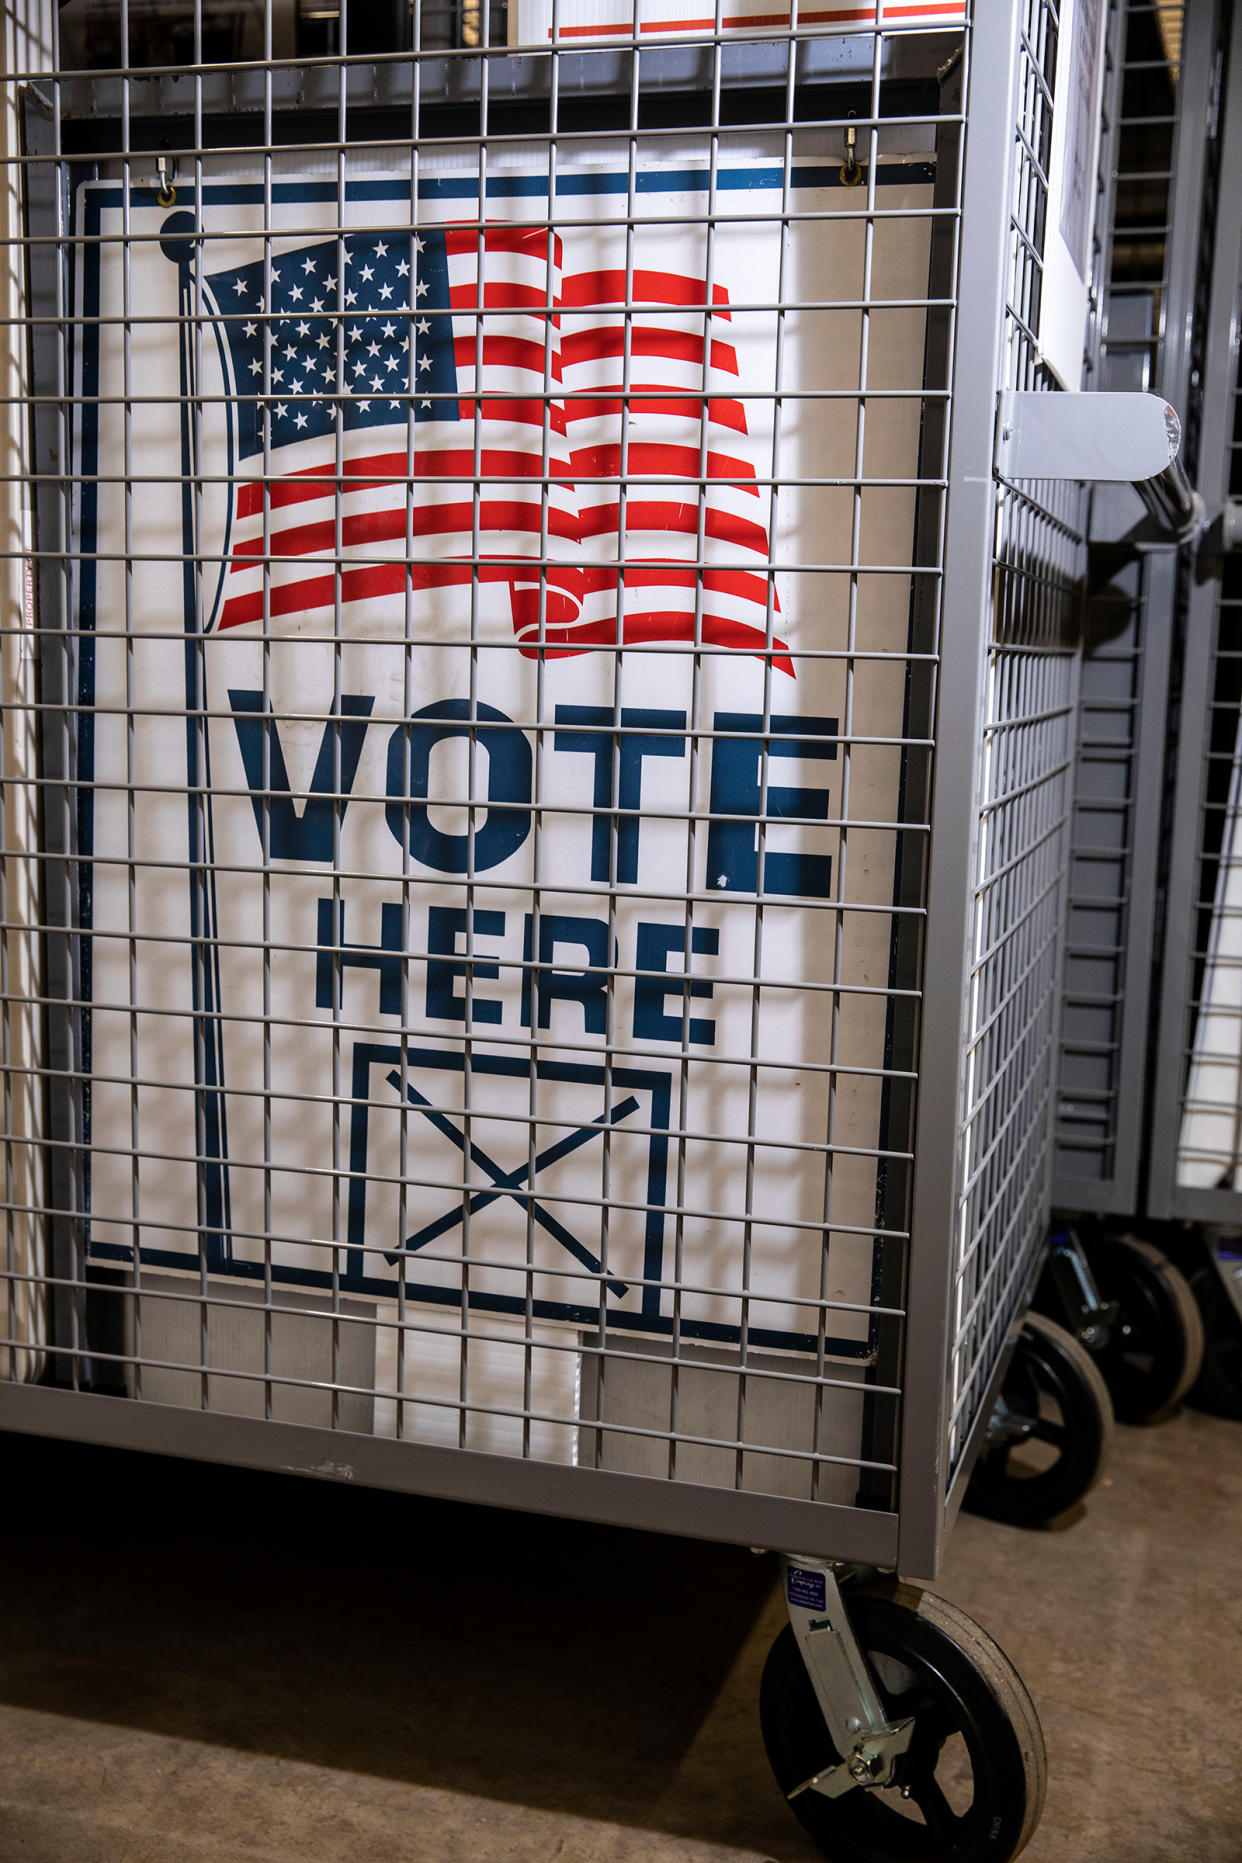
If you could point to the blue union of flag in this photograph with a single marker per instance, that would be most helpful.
(354, 328)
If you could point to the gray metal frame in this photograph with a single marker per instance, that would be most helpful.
(686, 1509)
(968, 582)
(1007, 658)
(1000, 1245)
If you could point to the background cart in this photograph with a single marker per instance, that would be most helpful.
(1148, 1098)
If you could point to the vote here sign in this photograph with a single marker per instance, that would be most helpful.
(495, 681)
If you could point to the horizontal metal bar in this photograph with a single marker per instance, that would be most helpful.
(342, 1174)
(228, 1374)
(369, 64)
(196, 320)
(10, 1071)
(695, 733)
(449, 1109)
(565, 222)
(214, 1296)
(271, 1239)
(534, 966)
(659, 1506)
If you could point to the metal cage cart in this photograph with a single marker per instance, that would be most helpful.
(1135, 1102)
(1196, 1088)
(1168, 70)
(536, 768)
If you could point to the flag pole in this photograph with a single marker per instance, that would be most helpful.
(179, 238)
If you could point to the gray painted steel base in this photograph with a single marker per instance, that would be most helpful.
(453, 1474)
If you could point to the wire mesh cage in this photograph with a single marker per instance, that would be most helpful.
(1015, 938)
(1160, 227)
(1196, 1090)
(505, 572)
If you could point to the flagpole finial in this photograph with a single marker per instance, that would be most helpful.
(178, 237)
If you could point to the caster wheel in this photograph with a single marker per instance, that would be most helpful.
(1155, 1349)
(970, 1786)
(1218, 1387)
(1050, 1440)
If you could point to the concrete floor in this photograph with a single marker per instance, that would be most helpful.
(204, 1666)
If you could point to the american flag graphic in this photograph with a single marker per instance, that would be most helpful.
(487, 428)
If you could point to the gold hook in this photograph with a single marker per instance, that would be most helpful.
(851, 171)
(167, 192)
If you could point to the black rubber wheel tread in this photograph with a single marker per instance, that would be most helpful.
(1037, 1499)
(1171, 1381)
(1218, 1387)
(1006, 1685)
(953, 1655)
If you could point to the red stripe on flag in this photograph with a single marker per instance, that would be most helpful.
(500, 295)
(674, 462)
(562, 643)
(365, 527)
(647, 574)
(369, 580)
(522, 411)
(675, 518)
(600, 290)
(392, 469)
(506, 352)
(653, 398)
(610, 339)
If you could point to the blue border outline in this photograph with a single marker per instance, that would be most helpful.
(658, 1083)
(512, 187)
(649, 1319)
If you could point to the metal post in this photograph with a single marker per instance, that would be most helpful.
(965, 611)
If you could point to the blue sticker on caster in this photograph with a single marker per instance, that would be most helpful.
(805, 1588)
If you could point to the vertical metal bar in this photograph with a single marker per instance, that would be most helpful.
(131, 850)
(550, 323)
(265, 739)
(46, 207)
(338, 644)
(407, 709)
(966, 609)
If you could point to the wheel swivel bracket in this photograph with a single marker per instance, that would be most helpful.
(841, 1677)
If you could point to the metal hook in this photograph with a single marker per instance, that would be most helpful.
(851, 171)
(167, 173)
